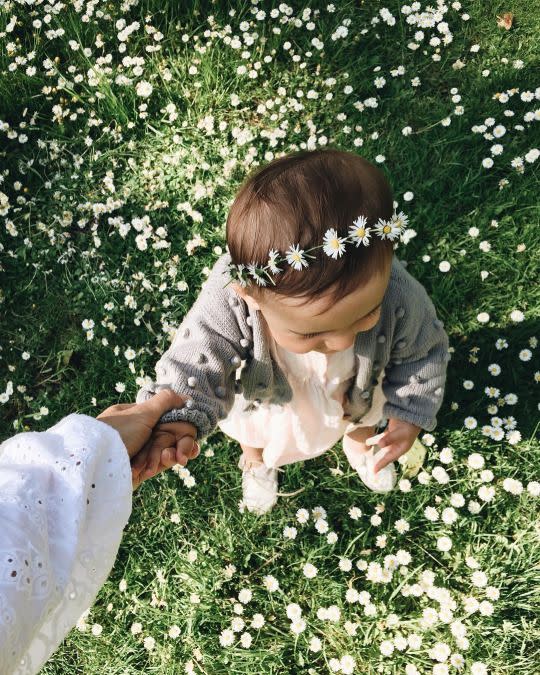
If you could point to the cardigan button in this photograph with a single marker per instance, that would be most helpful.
(400, 344)
(249, 321)
(438, 323)
(366, 393)
(220, 392)
(381, 338)
(233, 302)
(236, 361)
(192, 382)
(400, 312)
(244, 343)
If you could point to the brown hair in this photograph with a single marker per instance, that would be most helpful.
(295, 199)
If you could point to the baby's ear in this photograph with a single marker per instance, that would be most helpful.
(248, 299)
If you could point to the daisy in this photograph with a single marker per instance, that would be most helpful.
(333, 245)
(387, 229)
(257, 273)
(359, 232)
(296, 257)
(513, 437)
(240, 275)
(273, 257)
(400, 220)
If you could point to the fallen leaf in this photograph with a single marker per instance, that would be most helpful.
(505, 21)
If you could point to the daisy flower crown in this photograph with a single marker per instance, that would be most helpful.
(333, 245)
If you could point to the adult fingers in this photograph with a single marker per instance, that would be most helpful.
(160, 403)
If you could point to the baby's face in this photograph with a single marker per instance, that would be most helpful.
(300, 327)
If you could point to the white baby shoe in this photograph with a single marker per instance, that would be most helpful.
(383, 481)
(259, 486)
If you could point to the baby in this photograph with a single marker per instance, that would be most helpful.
(307, 331)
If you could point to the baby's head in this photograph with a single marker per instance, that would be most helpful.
(295, 200)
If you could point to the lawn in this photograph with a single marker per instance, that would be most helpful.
(125, 130)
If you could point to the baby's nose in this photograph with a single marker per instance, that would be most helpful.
(339, 343)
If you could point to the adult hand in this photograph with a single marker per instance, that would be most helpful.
(394, 441)
(135, 421)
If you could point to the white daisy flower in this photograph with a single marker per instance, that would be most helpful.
(333, 245)
(273, 256)
(400, 220)
(388, 229)
(470, 423)
(359, 232)
(257, 274)
(296, 257)
(240, 275)
(513, 437)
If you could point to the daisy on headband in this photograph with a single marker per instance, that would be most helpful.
(334, 246)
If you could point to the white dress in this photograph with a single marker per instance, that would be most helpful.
(65, 498)
(312, 422)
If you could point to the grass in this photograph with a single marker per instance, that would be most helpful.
(58, 270)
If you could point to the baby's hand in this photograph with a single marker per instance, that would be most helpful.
(170, 444)
(394, 441)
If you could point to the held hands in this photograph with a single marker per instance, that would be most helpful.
(135, 421)
(170, 444)
(394, 441)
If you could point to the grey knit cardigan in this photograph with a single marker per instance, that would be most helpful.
(221, 333)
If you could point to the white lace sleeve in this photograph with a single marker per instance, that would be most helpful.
(65, 498)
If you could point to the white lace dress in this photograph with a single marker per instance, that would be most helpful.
(312, 422)
(65, 498)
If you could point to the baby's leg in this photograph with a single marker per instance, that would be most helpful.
(251, 455)
(354, 444)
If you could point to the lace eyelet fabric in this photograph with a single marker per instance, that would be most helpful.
(65, 498)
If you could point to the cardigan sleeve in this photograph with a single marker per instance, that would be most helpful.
(201, 362)
(416, 373)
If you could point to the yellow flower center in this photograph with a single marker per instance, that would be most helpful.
(296, 257)
(334, 244)
(387, 229)
(360, 232)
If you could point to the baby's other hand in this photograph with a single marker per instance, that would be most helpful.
(394, 441)
(170, 444)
